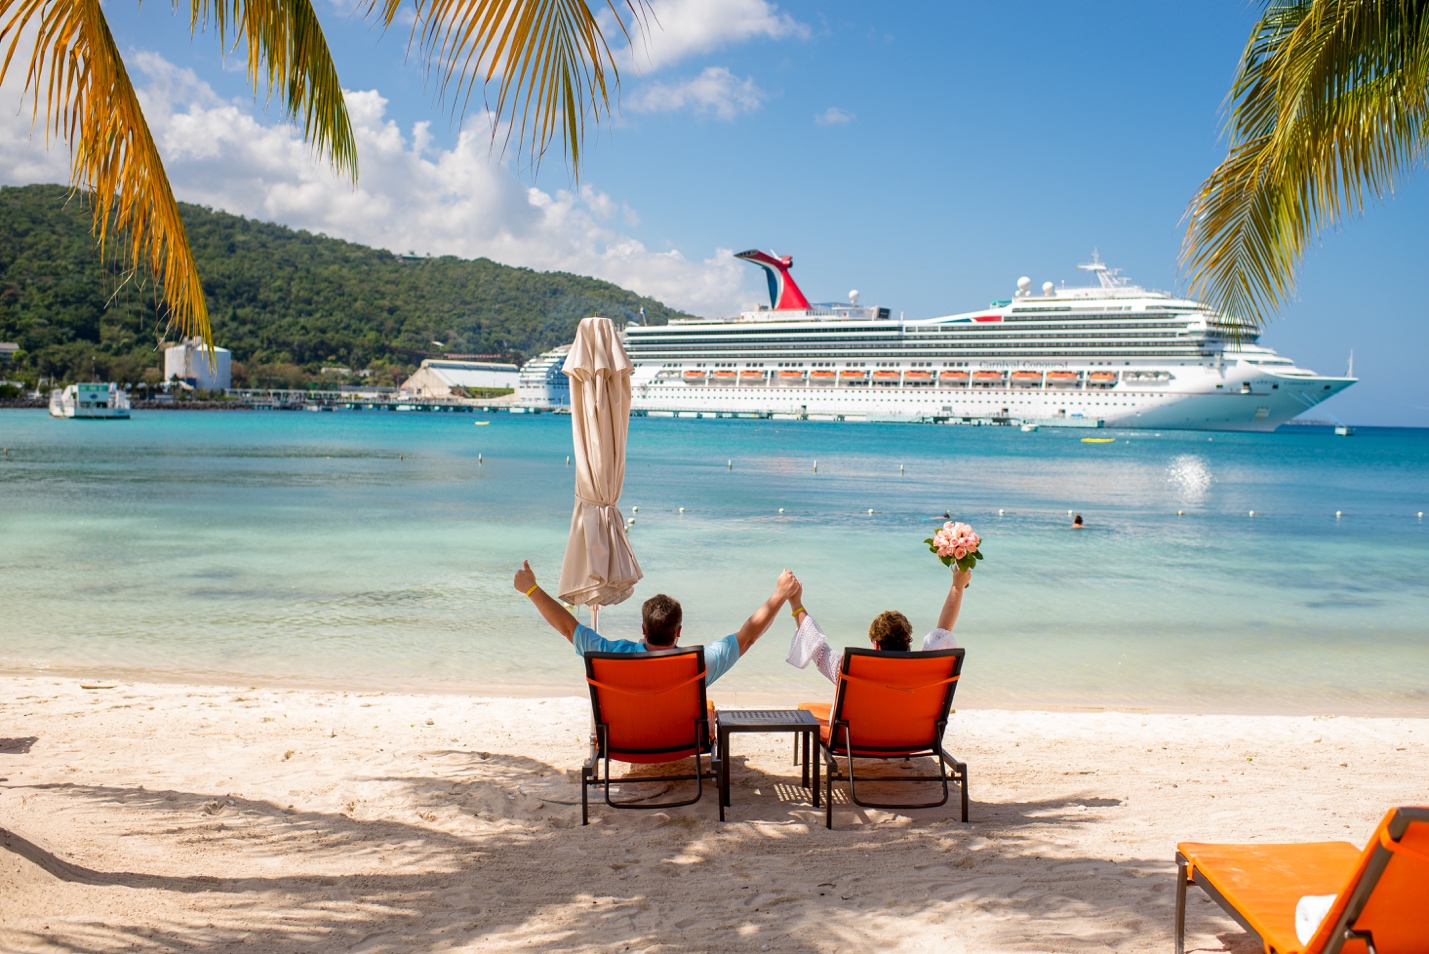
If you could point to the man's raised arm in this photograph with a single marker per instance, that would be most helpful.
(760, 620)
(554, 613)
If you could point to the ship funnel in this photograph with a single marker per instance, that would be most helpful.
(783, 293)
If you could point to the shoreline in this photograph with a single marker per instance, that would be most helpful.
(295, 821)
(573, 687)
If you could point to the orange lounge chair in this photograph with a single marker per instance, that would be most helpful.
(892, 706)
(1381, 894)
(648, 708)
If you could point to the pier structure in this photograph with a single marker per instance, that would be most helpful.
(361, 399)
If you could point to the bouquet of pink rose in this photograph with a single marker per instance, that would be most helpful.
(956, 543)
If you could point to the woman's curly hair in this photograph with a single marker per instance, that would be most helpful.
(891, 632)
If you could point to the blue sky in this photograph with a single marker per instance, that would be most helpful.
(926, 154)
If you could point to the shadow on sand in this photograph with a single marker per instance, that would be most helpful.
(495, 858)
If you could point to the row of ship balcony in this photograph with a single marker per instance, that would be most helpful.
(946, 378)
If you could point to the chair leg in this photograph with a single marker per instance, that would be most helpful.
(717, 765)
(813, 768)
(963, 787)
(1180, 906)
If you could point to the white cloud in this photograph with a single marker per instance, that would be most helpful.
(678, 29)
(458, 201)
(833, 116)
(716, 91)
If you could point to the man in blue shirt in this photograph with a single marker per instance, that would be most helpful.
(660, 623)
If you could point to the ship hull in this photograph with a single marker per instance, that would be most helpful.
(1229, 401)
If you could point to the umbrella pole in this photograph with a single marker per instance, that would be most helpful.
(595, 618)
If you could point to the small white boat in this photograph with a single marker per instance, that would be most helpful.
(100, 402)
(1029, 428)
(1344, 430)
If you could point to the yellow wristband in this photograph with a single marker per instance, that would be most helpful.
(796, 612)
(533, 588)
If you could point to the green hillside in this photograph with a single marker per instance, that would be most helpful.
(287, 303)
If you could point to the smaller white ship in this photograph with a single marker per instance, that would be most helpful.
(542, 385)
(101, 402)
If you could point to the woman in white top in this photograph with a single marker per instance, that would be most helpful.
(890, 631)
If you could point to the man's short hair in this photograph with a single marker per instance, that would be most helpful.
(661, 616)
(891, 632)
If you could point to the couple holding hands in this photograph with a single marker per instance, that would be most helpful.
(661, 622)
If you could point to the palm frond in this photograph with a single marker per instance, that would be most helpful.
(288, 53)
(90, 103)
(1329, 109)
(549, 60)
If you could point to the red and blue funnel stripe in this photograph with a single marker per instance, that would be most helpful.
(783, 293)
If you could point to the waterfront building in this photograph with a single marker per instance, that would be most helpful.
(437, 378)
(189, 362)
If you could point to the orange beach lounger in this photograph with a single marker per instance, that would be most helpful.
(1381, 894)
(890, 706)
(648, 708)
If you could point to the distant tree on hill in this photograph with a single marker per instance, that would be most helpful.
(285, 302)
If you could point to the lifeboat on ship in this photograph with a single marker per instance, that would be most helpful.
(1027, 378)
(695, 377)
(886, 377)
(917, 377)
(822, 377)
(749, 377)
(791, 375)
(952, 377)
(988, 377)
(725, 377)
(1102, 377)
(1061, 377)
(848, 374)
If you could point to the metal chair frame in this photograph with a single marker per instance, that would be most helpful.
(850, 750)
(703, 742)
(1344, 929)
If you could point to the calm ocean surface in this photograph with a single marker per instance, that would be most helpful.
(372, 550)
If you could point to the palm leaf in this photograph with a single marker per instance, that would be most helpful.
(90, 103)
(548, 59)
(287, 50)
(1329, 109)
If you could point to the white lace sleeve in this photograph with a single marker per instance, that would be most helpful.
(811, 645)
(940, 639)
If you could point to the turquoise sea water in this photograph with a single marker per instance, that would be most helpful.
(374, 550)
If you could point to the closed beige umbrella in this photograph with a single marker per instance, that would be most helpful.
(599, 568)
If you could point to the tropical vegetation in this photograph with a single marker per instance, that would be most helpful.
(547, 60)
(287, 303)
(1328, 111)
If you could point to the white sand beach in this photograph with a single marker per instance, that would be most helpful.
(163, 817)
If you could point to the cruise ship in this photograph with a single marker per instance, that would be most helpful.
(541, 386)
(1107, 354)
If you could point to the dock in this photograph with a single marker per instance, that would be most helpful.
(366, 399)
